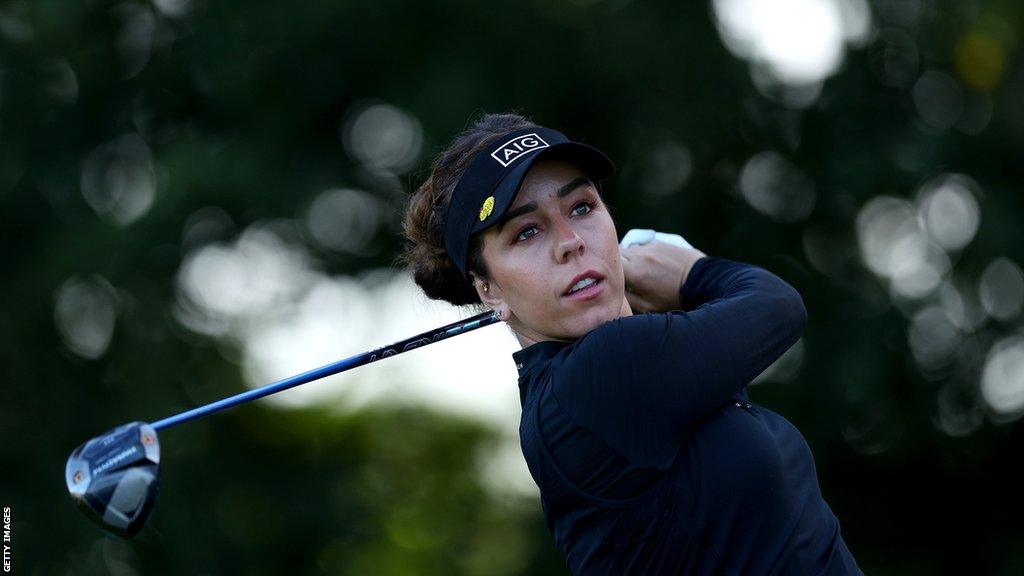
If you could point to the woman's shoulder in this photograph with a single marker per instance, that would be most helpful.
(603, 353)
(609, 338)
(596, 369)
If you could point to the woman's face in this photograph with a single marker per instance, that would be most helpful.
(535, 255)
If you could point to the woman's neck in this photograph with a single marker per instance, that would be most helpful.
(528, 338)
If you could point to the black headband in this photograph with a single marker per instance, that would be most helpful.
(489, 186)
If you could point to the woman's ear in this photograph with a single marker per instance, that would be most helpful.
(488, 292)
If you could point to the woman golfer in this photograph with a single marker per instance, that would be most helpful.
(636, 423)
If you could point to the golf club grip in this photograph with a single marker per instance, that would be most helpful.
(429, 337)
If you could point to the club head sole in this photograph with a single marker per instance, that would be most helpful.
(114, 478)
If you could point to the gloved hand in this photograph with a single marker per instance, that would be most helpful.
(645, 235)
(655, 265)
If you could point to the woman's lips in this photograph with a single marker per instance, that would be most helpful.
(588, 293)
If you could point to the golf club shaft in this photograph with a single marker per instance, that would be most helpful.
(417, 341)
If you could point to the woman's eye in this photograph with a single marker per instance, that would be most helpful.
(524, 230)
(587, 204)
(519, 237)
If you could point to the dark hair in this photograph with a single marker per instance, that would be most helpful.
(424, 252)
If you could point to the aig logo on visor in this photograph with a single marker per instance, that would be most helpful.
(516, 147)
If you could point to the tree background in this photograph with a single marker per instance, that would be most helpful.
(195, 194)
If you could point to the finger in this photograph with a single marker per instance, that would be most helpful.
(631, 249)
(634, 304)
(638, 303)
(628, 264)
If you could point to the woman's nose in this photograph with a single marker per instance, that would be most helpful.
(568, 239)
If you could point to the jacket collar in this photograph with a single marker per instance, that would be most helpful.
(536, 354)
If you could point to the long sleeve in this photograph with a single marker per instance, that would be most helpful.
(639, 381)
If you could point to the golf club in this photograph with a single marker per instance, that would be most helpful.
(114, 478)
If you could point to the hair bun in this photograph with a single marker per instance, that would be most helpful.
(425, 253)
(440, 279)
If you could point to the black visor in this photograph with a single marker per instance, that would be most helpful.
(489, 186)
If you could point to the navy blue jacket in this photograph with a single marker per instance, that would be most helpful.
(650, 458)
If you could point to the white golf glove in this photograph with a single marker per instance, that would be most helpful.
(643, 236)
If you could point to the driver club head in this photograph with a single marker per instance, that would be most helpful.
(114, 478)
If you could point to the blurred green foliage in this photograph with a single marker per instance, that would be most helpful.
(241, 105)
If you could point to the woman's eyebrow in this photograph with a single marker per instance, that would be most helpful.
(531, 206)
